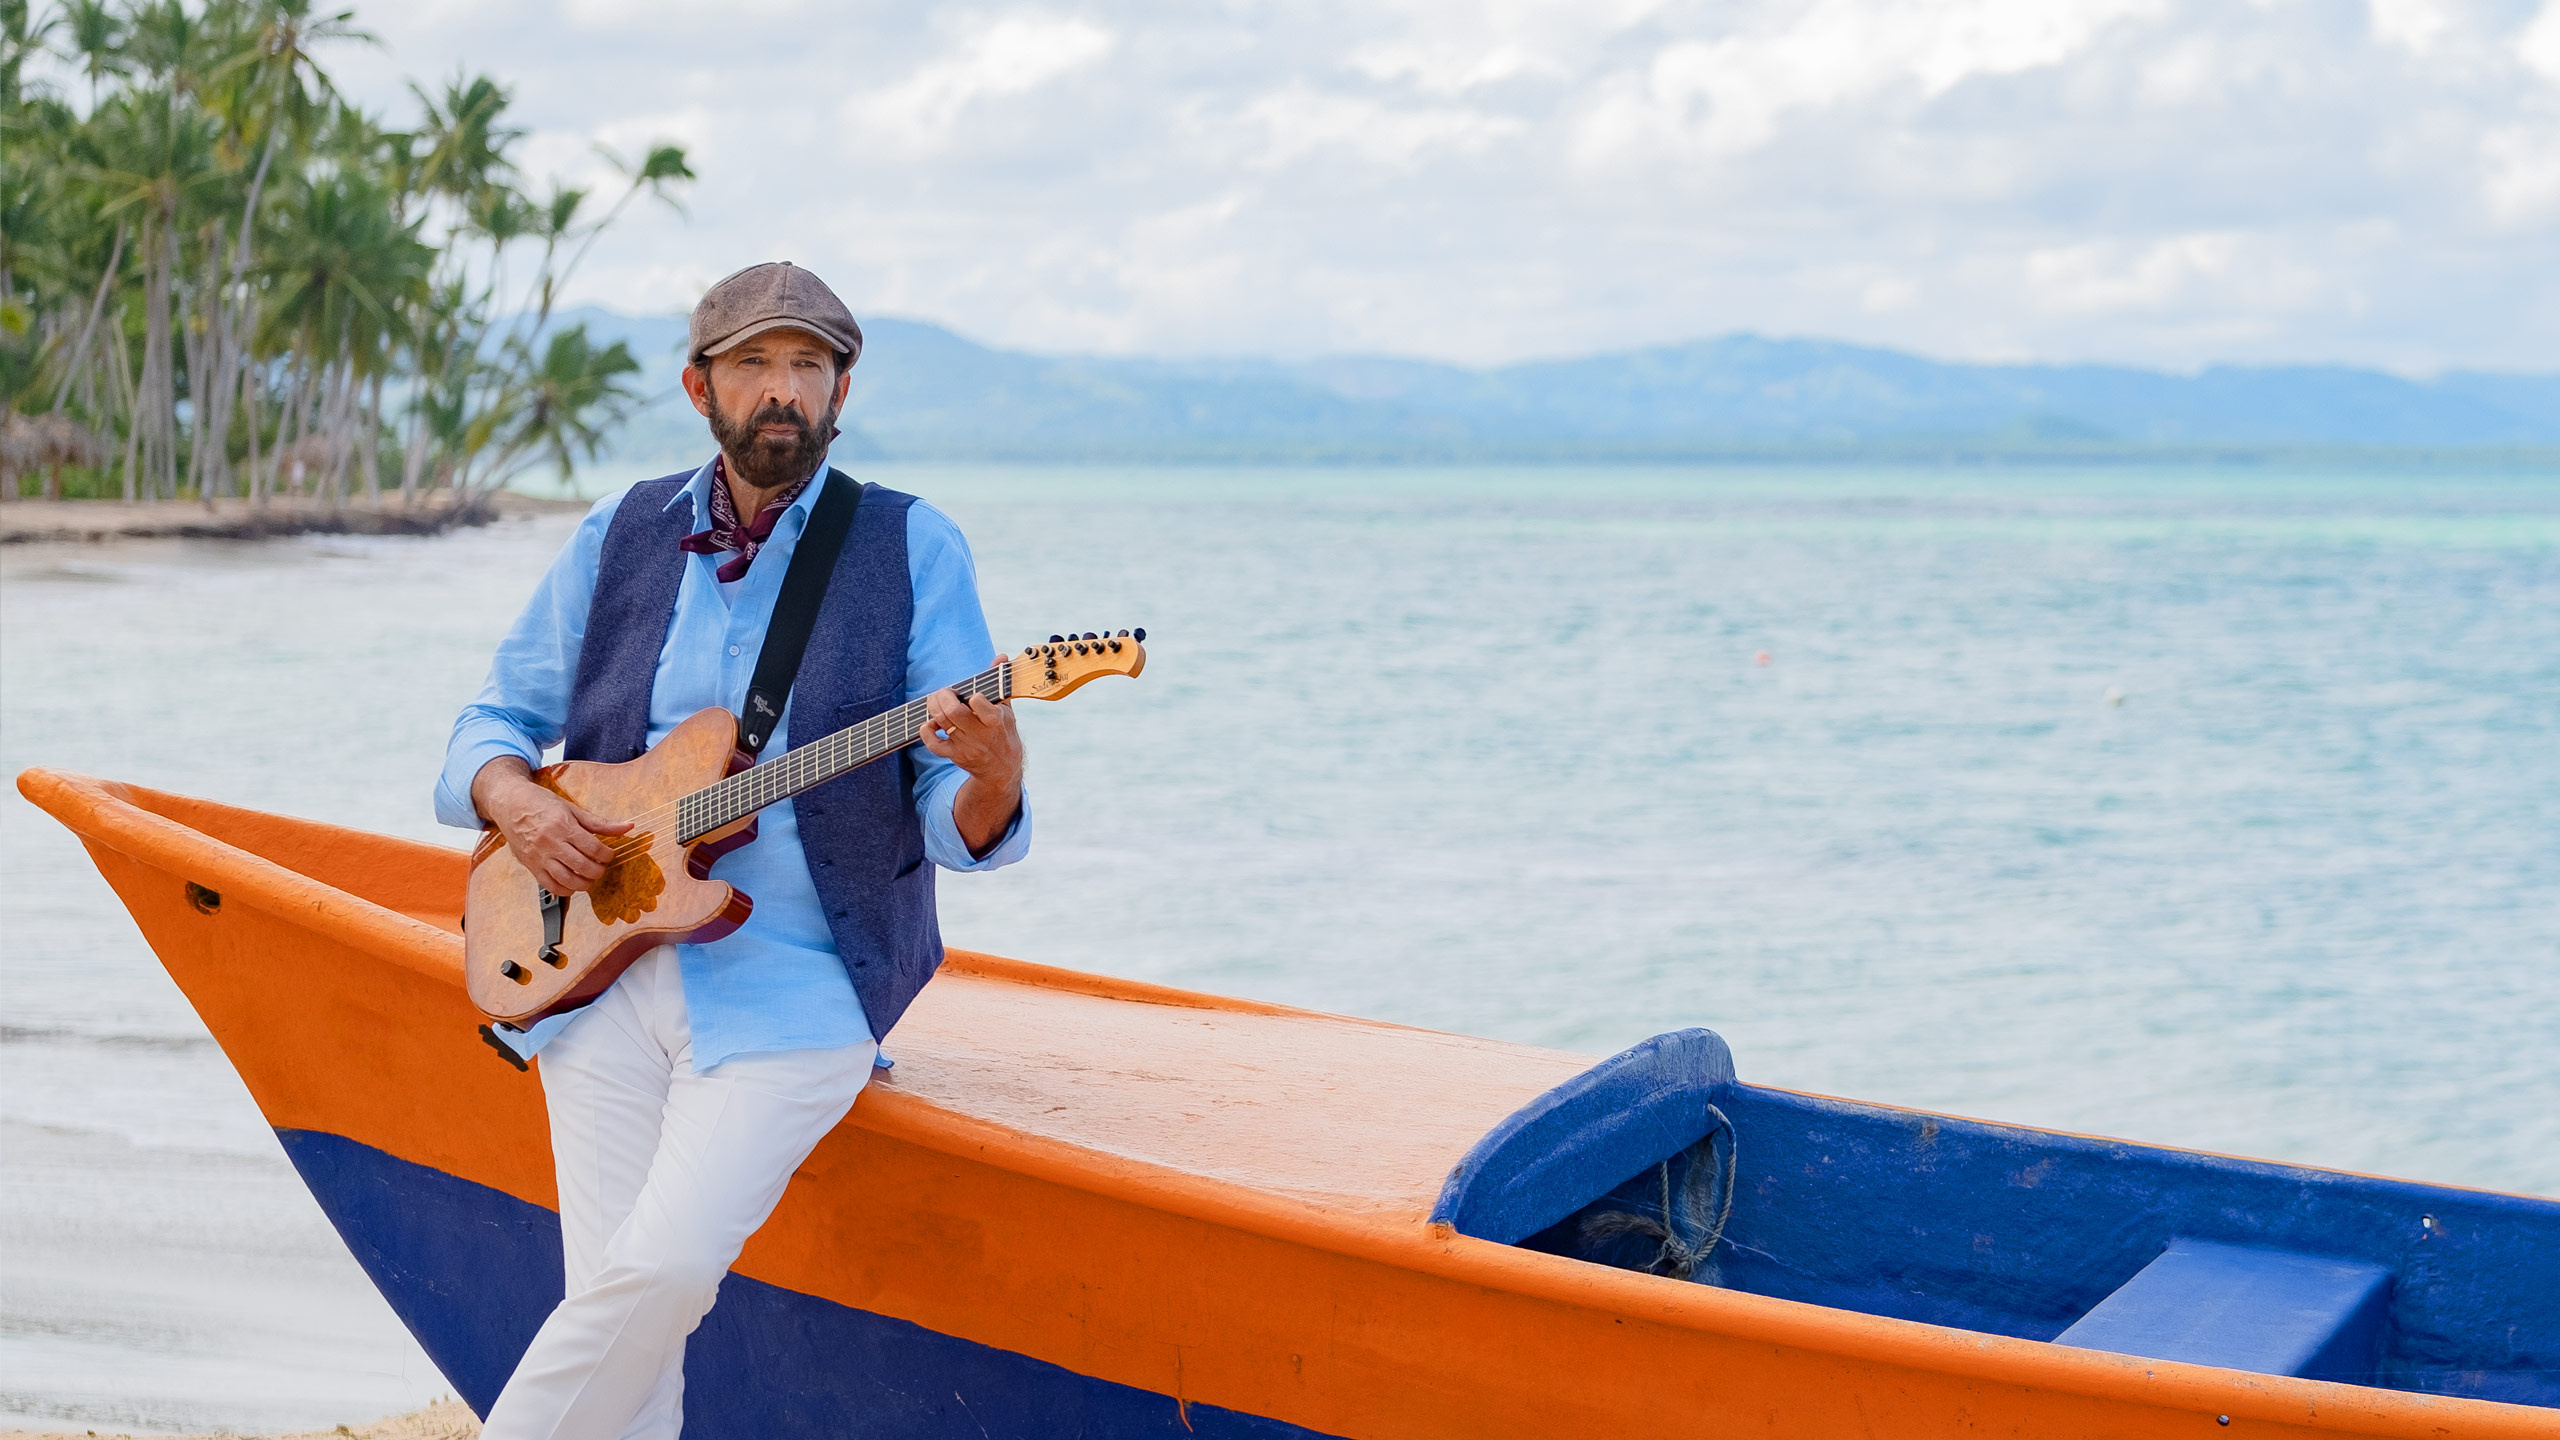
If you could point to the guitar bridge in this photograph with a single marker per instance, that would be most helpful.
(555, 914)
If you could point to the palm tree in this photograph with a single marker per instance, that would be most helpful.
(277, 89)
(97, 36)
(349, 276)
(219, 257)
(567, 398)
(153, 158)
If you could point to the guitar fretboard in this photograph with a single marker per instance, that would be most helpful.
(805, 767)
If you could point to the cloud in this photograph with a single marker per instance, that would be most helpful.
(1299, 120)
(2539, 44)
(2521, 174)
(1731, 93)
(2414, 25)
(1012, 55)
(2172, 182)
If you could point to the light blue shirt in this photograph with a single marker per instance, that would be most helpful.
(775, 983)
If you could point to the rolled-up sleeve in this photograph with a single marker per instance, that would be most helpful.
(523, 707)
(948, 643)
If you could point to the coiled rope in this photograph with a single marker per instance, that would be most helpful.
(1690, 1210)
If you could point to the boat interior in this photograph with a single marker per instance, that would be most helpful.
(1659, 1159)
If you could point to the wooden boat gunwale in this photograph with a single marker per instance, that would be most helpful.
(119, 817)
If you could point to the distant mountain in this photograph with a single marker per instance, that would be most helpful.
(924, 393)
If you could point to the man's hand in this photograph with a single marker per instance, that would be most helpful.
(557, 839)
(980, 738)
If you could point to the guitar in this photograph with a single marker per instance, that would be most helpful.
(527, 953)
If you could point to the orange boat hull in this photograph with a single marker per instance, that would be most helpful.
(1012, 1236)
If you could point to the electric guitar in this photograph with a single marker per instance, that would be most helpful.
(528, 953)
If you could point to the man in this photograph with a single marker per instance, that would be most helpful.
(684, 1097)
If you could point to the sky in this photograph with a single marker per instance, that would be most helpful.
(2170, 183)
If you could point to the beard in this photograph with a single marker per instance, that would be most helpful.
(769, 461)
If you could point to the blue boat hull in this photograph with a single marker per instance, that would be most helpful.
(472, 1272)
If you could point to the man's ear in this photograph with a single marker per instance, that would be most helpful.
(697, 388)
(844, 382)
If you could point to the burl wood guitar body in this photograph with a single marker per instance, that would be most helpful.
(658, 893)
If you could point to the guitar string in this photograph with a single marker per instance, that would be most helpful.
(800, 768)
(687, 809)
(810, 765)
(717, 804)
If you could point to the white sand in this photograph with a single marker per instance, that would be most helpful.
(450, 1420)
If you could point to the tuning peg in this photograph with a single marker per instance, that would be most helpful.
(1114, 644)
(1124, 634)
(1139, 634)
(1056, 639)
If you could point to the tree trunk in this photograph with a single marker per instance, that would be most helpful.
(210, 381)
(176, 323)
(204, 342)
(89, 327)
(413, 455)
(131, 390)
(256, 481)
(369, 437)
(297, 415)
(235, 325)
(334, 424)
(156, 419)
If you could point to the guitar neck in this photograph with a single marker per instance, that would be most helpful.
(806, 767)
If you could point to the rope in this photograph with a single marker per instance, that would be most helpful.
(1679, 1257)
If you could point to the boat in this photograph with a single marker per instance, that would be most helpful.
(1089, 1206)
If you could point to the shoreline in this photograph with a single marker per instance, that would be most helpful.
(444, 1420)
(97, 522)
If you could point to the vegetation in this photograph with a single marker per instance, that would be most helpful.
(220, 278)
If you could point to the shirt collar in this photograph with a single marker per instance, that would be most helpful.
(697, 493)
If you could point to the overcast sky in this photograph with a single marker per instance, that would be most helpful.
(2165, 182)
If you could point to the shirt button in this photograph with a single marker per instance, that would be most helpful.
(733, 649)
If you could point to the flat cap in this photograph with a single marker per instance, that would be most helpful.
(776, 295)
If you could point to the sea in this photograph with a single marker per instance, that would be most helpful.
(2210, 806)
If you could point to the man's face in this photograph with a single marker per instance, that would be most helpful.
(772, 403)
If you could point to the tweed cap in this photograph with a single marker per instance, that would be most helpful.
(776, 295)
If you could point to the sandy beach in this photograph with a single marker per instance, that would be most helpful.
(445, 1420)
(92, 522)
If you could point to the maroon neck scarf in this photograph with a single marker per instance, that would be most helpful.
(727, 534)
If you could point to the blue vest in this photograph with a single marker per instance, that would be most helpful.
(859, 831)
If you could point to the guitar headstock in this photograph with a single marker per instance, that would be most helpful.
(1049, 670)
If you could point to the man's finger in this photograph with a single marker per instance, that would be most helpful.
(579, 865)
(932, 741)
(593, 847)
(594, 822)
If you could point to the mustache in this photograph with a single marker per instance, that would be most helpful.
(774, 412)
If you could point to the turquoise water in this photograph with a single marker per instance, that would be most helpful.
(2216, 808)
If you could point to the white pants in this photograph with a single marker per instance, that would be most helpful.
(664, 1173)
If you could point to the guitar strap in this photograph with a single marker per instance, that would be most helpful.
(795, 610)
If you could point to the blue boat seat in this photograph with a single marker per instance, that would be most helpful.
(1570, 1146)
(2269, 1311)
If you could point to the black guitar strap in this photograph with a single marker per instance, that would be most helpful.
(795, 610)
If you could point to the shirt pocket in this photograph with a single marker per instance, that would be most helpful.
(856, 712)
